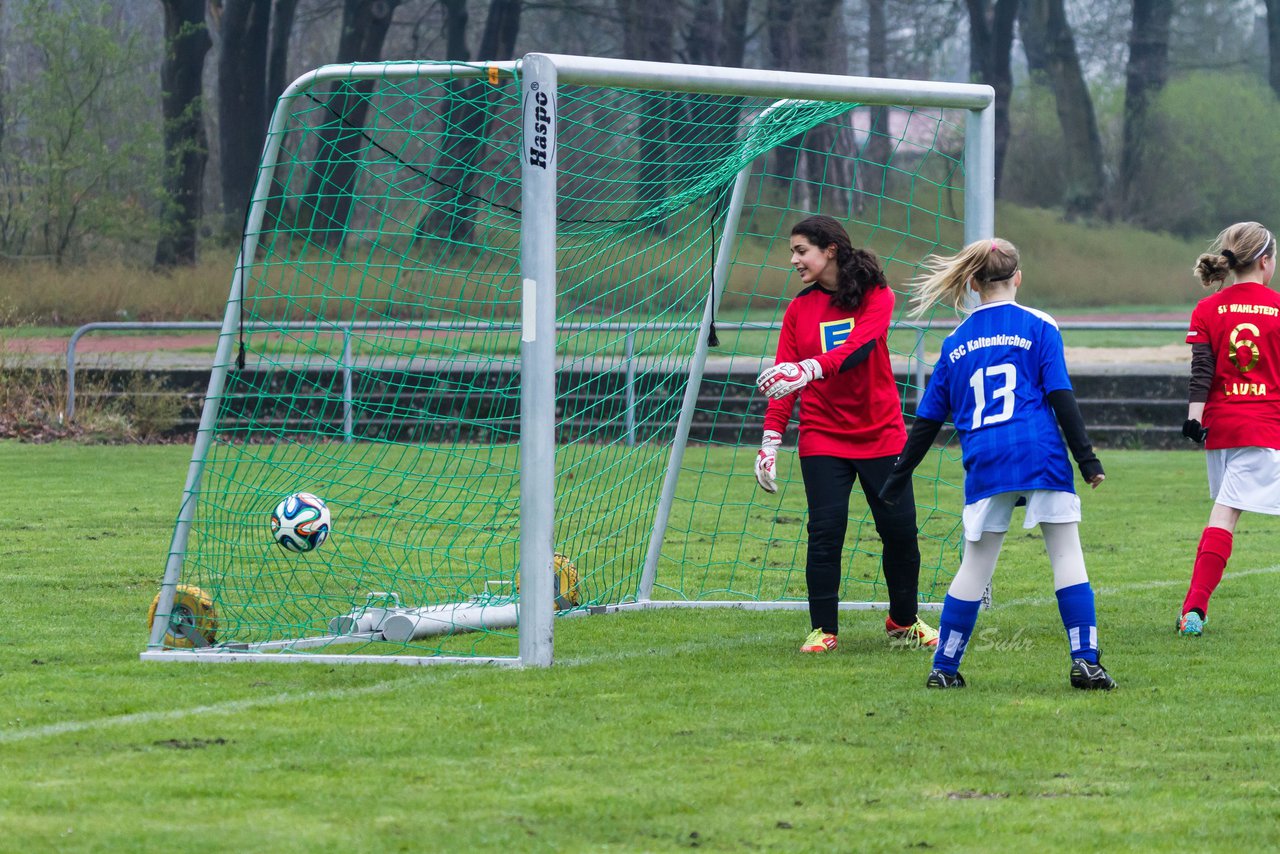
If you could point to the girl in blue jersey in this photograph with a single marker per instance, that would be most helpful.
(1002, 379)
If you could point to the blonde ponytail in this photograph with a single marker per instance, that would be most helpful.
(946, 277)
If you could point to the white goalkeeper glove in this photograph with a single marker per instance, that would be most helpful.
(787, 377)
(767, 461)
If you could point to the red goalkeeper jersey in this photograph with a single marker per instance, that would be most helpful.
(1242, 323)
(852, 414)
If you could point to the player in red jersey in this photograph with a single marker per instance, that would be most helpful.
(833, 350)
(1234, 395)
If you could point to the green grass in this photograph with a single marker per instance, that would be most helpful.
(654, 731)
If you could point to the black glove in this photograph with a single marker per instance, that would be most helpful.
(1193, 430)
(895, 484)
(1090, 467)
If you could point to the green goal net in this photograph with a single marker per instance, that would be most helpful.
(379, 352)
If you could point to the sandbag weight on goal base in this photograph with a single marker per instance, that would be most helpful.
(568, 594)
(193, 621)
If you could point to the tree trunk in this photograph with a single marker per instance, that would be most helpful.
(878, 149)
(649, 34)
(990, 49)
(452, 207)
(4, 85)
(241, 103)
(282, 15)
(1033, 27)
(783, 52)
(1273, 44)
(808, 35)
(455, 30)
(1085, 181)
(186, 148)
(501, 27)
(733, 46)
(705, 127)
(1145, 76)
(364, 30)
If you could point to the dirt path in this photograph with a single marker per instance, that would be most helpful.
(196, 344)
(109, 344)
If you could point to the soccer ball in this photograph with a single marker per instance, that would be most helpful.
(300, 522)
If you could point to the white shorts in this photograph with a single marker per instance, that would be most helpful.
(1245, 478)
(992, 514)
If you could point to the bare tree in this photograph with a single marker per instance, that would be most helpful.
(648, 33)
(242, 112)
(282, 15)
(704, 127)
(809, 35)
(1273, 45)
(990, 48)
(329, 194)
(186, 147)
(2, 82)
(1145, 76)
(1048, 38)
(453, 205)
(733, 32)
(877, 151)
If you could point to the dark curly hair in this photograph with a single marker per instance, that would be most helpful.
(859, 269)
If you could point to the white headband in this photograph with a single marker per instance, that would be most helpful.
(1263, 250)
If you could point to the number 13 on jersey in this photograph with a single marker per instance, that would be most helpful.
(993, 388)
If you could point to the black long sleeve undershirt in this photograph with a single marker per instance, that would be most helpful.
(1067, 411)
(919, 441)
(1065, 408)
(1203, 366)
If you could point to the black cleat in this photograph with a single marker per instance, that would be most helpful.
(943, 679)
(1090, 677)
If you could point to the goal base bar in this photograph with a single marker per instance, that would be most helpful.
(745, 605)
(241, 657)
(286, 654)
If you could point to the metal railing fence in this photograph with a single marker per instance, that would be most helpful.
(346, 363)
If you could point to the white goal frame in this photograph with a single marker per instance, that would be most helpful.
(541, 75)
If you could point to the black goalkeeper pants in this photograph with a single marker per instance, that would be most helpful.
(828, 482)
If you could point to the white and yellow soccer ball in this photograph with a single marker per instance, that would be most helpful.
(300, 522)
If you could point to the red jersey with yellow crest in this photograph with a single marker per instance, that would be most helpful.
(853, 414)
(1242, 323)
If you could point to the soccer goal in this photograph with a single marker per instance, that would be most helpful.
(502, 323)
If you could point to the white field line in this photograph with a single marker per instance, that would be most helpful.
(1107, 590)
(232, 706)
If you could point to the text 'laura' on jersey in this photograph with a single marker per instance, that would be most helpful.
(1242, 325)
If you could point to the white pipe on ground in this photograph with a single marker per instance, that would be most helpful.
(414, 623)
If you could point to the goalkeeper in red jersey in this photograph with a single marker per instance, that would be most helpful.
(833, 358)
(1234, 393)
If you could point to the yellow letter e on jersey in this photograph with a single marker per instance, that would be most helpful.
(833, 333)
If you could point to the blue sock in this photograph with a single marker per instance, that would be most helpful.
(1075, 604)
(954, 628)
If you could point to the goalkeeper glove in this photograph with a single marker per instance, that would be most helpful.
(767, 461)
(786, 377)
(1192, 429)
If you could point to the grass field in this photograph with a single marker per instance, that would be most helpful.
(653, 731)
